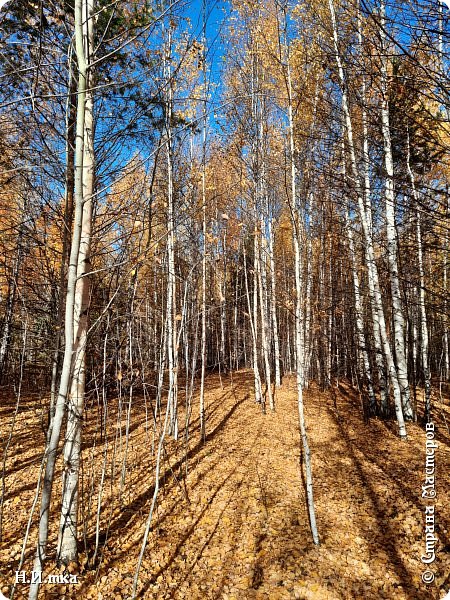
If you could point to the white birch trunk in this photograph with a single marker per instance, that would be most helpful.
(299, 341)
(330, 315)
(204, 254)
(299, 376)
(309, 316)
(203, 311)
(67, 546)
(364, 370)
(258, 386)
(391, 234)
(276, 340)
(262, 284)
(370, 254)
(257, 379)
(52, 447)
(172, 351)
(422, 308)
(223, 315)
(11, 297)
(445, 337)
(67, 228)
(379, 356)
(423, 320)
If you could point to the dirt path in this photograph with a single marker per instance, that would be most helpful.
(236, 526)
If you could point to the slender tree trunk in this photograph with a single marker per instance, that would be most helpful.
(422, 308)
(223, 305)
(391, 233)
(324, 382)
(203, 311)
(256, 337)
(378, 347)
(11, 296)
(67, 230)
(364, 370)
(363, 364)
(309, 317)
(257, 378)
(52, 447)
(273, 305)
(370, 254)
(299, 341)
(445, 337)
(67, 546)
(329, 355)
(172, 351)
(204, 253)
(262, 284)
(423, 320)
(300, 376)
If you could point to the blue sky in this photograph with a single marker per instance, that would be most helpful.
(216, 20)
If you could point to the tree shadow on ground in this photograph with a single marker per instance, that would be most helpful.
(145, 497)
(374, 448)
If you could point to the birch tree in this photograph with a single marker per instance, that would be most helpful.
(371, 264)
(297, 230)
(67, 545)
(391, 234)
(73, 317)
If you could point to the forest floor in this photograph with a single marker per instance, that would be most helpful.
(231, 520)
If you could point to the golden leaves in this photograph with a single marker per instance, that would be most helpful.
(242, 529)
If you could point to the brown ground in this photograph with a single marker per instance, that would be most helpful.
(231, 522)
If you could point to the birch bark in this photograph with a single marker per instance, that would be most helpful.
(68, 214)
(276, 340)
(204, 249)
(67, 546)
(370, 254)
(422, 307)
(52, 447)
(257, 378)
(299, 332)
(262, 284)
(12, 294)
(172, 351)
(364, 370)
(391, 232)
(378, 346)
